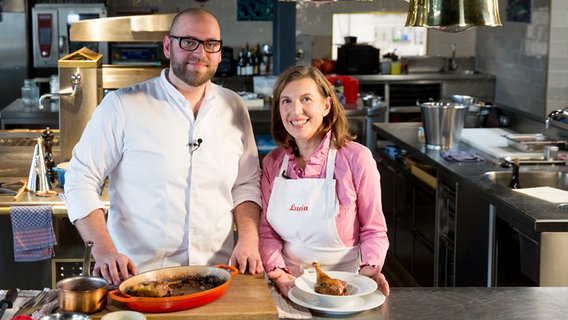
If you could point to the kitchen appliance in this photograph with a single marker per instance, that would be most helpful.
(138, 54)
(357, 59)
(80, 77)
(50, 31)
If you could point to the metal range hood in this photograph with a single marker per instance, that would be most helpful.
(139, 28)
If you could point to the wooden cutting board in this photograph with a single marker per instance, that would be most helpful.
(247, 297)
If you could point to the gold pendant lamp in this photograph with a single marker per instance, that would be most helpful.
(453, 15)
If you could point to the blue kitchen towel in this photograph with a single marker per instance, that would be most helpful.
(32, 229)
(461, 156)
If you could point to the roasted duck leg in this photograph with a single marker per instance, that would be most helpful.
(327, 285)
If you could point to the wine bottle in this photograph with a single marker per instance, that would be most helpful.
(249, 66)
(241, 64)
(515, 183)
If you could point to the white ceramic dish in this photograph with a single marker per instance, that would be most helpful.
(363, 303)
(357, 286)
(124, 315)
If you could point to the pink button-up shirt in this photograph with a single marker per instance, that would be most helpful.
(360, 220)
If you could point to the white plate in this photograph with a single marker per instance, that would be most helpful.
(357, 287)
(367, 302)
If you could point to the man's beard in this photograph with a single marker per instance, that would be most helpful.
(191, 78)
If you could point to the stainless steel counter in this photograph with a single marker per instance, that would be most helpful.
(16, 115)
(472, 303)
(30, 199)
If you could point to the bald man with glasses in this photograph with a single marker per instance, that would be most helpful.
(182, 164)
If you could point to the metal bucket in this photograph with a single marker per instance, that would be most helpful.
(443, 123)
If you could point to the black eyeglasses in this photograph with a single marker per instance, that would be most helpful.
(191, 44)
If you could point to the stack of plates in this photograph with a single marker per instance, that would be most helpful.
(362, 294)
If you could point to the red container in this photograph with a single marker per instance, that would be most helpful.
(350, 87)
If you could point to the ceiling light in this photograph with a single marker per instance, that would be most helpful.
(453, 15)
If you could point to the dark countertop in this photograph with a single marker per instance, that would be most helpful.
(420, 76)
(529, 214)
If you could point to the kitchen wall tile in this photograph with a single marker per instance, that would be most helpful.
(557, 95)
(517, 53)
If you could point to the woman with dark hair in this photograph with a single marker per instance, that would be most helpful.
(321, 193)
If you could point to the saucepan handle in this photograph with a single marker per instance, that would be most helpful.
(234, 271)
(119, 296)
(87, 259)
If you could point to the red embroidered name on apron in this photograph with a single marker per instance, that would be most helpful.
(301, 207)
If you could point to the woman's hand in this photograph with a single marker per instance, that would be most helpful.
(284, 281)
(375, 274)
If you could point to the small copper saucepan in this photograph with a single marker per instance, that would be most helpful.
(85, 293)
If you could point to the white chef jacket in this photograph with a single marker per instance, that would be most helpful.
(171, 202)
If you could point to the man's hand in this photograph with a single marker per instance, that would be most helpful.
(114, 267)
(246, 255)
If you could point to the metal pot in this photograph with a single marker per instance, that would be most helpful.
(174, 303)
(84, 293)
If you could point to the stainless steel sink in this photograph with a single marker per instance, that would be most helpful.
(531, 178)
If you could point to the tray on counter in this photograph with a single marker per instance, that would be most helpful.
(530, 142)
(531, 160)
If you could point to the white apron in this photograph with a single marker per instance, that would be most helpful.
(302, 212)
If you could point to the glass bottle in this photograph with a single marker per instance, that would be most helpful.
(241, 64)
(249, 66)
(339, 89)
(30, 94)
(54, 88)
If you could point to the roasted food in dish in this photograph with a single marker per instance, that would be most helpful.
(174, 287)
(328, 285)
(151, 289)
